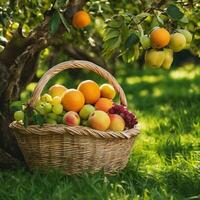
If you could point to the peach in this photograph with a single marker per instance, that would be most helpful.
(117, 123)
(107, 91)
(57, 90)
(71, 118)
(99, 120)
(103, 104)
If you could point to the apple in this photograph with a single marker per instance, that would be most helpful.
(117, 123)
(86, 110)
(99, 120)
(71, 118)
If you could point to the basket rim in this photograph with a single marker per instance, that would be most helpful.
(48, 129)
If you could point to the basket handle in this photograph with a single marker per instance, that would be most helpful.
(71, 65)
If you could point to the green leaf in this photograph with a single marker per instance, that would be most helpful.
(54, 22)
(141, 16)
(132, 40)
(111, 45)
(136, 51)
(111, 34)
(184, 20)
(160, 19)
(26, 119)
(128, 56)
(114, 24)
(174, 12)
(38, 119)
(60, 3)
(15, 106)
(64, 21)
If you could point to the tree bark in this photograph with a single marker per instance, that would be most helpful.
(18, 63)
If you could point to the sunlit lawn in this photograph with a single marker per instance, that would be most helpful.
(165, 162)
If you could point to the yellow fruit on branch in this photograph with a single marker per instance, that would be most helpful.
(177, 42)
(168, 58)
(154, 58)
(187, 34)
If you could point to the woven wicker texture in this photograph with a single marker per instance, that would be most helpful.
(74, 149)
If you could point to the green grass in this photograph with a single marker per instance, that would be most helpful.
(165, 162)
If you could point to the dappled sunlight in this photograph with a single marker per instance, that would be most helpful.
(157, 92)
(187, 72)
(194, 88)
(149, 123)
(165, 108)
(146, 78)
(143, 93)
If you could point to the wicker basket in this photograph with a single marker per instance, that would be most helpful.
(74, 149)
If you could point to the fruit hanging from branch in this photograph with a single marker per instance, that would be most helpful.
(81, 19)
(152, 32)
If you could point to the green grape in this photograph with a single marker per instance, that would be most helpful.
(57, 109)
(46, 98)
(47, 107)
(51, 121)
(40, 108)
(19, 115)
(56, 100)
(52, 116)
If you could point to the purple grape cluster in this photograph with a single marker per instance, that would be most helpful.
(129, 117)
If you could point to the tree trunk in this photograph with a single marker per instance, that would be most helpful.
(18, 63)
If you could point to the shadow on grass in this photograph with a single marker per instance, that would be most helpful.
(164, 163)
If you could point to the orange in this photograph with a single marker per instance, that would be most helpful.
(160, 38)
(73, 100)
(57, 90)
(81, 19)
(107, 91)
(90, 90)
(103, 104)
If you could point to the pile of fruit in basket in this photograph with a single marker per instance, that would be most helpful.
(88, 105)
